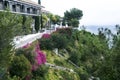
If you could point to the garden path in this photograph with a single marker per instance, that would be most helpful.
(21, 41)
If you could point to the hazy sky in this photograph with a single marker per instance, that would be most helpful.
(95, 12)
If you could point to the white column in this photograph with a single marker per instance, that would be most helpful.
(17, 8)
(10, 6)
(31, 11)
(1, 5)
(38, 11)
(25, 9)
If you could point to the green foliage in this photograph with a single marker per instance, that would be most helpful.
(20, 67)
(110, 67)
(67, 76)
(75, 57)
(73, 16)
(58, 63)
(74, 22)
(44, 20)
(86, 50)
(55, 41)
(37, 23)
(54, 74)
(55, 19)
(82, 73)
(13, 78)
(59, 41)
(46, 43)
(40, 73)
(10, 25)
(65, 31)
(91, 53)
(26, 24)
(28, 53)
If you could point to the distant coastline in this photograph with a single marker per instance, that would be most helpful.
(94, 28)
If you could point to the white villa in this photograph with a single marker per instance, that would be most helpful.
(26, 7)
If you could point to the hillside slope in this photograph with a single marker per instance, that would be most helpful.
(56, 73)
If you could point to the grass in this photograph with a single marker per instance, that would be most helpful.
(57, 60)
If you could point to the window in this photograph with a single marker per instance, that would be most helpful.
(14, 8)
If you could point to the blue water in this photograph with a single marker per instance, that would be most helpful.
(94, 28)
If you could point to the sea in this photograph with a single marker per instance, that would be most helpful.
(94, 28)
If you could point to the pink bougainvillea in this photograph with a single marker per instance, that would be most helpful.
(40, 57)
(26, 46)
(46, 36)
(28, 77)
(35, 67)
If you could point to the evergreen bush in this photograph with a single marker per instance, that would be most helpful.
(20, 67)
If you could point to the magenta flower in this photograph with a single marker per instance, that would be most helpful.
(40, 57)
(35, 67)
(46, 36)
(28, 77)
(26, 46)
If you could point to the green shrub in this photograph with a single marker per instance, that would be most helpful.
(20, 67)
(37, 23)
(57, 62)
(40, 73)
(46, 43)
(59, 40)
(68, 76)
(27, 53)
(13, 78)
(65, 31)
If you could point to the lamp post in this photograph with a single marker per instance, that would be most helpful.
(61, 19)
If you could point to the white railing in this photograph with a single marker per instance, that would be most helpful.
(23, 40)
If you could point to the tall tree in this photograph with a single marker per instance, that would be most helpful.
(73, 16)
(55, 19)
(44, 20)
(10, 25)
(26, 23)
(37, 23)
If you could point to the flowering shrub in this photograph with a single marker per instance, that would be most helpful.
(27, 60)
(65, 31)
(46, 36)
(26, 46)
(39, 57)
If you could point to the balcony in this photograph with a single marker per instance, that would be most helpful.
(21, 7)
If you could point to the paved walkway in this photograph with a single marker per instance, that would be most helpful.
(20, 41)
(53, 66)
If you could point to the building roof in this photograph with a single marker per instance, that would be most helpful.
(29, 1)
(45, 11)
